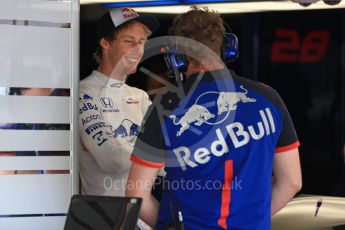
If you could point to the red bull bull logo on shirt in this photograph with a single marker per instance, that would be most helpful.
(198, 114)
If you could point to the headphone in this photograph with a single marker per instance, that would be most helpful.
(176, 62)
(230, 51)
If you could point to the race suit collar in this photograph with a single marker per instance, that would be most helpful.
(106, 81)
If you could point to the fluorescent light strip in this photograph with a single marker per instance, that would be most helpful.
(145, 3)
(171, 7)
(132, 2)
(159, 2)
(244, 7)
(208, 2)
(34, 23)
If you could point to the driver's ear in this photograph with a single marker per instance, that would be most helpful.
(104, 43)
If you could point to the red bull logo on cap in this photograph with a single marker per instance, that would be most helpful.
(128, 13)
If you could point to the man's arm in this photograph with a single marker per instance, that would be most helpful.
(287, 179)
(140, 181)
(110, 152)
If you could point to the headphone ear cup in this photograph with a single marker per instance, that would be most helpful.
(230, 51)
(174, 60)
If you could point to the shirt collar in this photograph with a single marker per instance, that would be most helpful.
(108, 82)
(208, 76)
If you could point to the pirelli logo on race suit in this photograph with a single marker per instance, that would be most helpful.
(94, 127)
(239, 134)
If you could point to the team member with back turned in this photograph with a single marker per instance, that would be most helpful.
(228, 131)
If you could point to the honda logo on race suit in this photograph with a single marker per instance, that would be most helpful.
(108, 105)
(107, 102)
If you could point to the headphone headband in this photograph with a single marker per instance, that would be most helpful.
(176, 61)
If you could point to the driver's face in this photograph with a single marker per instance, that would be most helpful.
(127, 49)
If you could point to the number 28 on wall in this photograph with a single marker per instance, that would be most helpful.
(289, 47)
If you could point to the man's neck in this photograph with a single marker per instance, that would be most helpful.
(205, 67)
(109, 72)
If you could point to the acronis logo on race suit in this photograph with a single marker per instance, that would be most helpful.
(128, 130)
(90, 118)
(128, 13)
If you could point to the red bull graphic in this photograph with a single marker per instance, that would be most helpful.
(84, 98)
(128, 130)
(128, 13)
(239, 134)
(198, 114)
(228, 100)
(87, 103)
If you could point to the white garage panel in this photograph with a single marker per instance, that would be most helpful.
(39, 48)
(35, 109)
(33, 56)
(39, 10)
(35, 163)
(40, 140)
(34, 194)
(33, 223)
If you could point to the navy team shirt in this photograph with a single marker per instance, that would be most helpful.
(217, 143)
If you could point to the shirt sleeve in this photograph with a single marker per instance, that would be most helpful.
(112, 154)
(288, 138)
(149, 149)
(145, 103)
